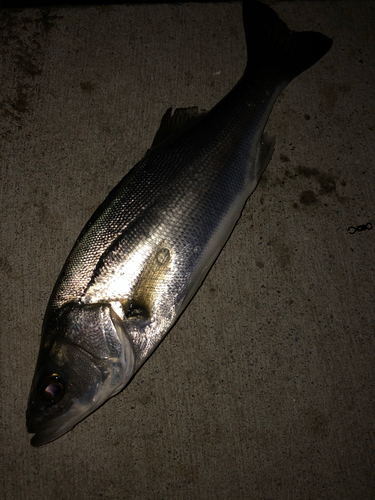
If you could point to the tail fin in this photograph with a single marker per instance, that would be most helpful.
(270, 43)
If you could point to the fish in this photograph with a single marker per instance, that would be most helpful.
(146, 250)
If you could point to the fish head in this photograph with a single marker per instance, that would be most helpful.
(85, 358)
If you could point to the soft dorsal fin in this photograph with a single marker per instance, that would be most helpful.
(170, 124)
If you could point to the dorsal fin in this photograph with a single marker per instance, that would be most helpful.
(170, 124)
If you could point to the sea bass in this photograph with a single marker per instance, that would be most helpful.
(146, 250)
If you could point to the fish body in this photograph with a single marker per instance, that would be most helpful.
(146, 250)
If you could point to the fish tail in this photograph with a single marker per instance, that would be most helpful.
(270, 43)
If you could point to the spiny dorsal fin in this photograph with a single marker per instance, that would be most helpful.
(170, 124)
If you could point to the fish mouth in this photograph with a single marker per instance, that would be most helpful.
(44, 430)
(47, 431)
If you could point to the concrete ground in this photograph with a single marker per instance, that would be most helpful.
(265, 388)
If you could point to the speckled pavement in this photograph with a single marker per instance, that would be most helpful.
(265, 388)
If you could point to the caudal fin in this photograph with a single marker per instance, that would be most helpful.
(270, 43)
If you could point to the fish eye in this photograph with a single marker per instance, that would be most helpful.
(51, 388)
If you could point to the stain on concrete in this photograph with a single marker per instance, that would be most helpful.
(87, 87)
(26, 65)
(106, 9)
(331, 93)
(263, 179)
(327, 183)
(22, 40)
(5, 266)
(282, 253)
(20, 102)
(47, 19)
(308, 198)
(284, 158)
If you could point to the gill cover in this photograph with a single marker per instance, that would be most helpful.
(85, 358)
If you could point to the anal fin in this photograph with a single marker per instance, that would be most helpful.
(265, 152)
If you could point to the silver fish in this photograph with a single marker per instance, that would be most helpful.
(146, 250)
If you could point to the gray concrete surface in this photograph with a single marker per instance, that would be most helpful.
(265, 387)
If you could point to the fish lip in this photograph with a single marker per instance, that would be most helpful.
(49, 430)
(45, 436)
(46, 432)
